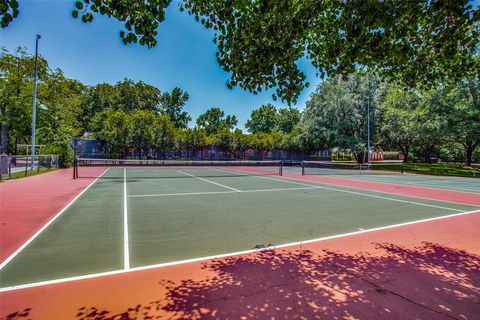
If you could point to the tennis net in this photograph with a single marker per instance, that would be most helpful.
(156, 169)
(339, 168)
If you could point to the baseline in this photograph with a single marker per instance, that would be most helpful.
(231, 254)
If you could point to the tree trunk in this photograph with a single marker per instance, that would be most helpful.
(468, 155)
(405, 150)
(359, 157)
(469, 147)
(406, 153)
(4, 139)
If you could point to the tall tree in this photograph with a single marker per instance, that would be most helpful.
(59, 116)
(260, 141)
(222, 138)
(125, 95)
(336, 114)
(431, 133)
(238, 143)
(287, 119)
(142, 135)
(213, 120)
(98, 98)
(132, 96)
(114, 128)
(401, 114)
(164, 134)
(16, 95)
(263, 119)
(63, 98)
(455, 105)
(192, 139)
(172, 104)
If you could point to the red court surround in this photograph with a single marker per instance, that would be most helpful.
(27, 204)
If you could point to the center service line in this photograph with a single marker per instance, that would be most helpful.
(210, 181)
(126, 254)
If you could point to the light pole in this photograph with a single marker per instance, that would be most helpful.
(34, 111)
(368, 130)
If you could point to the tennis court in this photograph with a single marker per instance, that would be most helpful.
(389, 172)
(133, 217)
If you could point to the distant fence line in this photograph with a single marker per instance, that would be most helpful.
(18, 164)
(89, 148)
(205, 154)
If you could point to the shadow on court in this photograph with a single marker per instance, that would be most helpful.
(18, 315)
(428, 281)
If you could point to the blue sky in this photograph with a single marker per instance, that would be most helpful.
(94, 53)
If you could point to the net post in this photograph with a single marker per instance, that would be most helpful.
(75, 174)
(401, 168)
(303, 168)
(280, 170)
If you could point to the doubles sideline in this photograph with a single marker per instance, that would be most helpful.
(13, 255)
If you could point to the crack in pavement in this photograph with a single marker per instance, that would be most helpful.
(383, 290)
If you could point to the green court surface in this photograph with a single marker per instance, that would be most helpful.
(429, 181)
(121, 223)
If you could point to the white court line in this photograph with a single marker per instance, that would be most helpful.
(178, 194)
(435, 185)
(13, 255)
(206, 180)
(295, 181)
(231, 254)
(219, 192)
(370, 195)
(284, 189)
(126, 253)
(420, 184)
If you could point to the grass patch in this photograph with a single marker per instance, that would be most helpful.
(444, 169)
(21, 174)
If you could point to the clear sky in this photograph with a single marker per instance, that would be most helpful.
(93, 53)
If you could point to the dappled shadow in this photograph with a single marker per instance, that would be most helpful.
(18, 315)
(426, 282)
(138, 312)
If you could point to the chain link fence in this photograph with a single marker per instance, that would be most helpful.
(12, 166)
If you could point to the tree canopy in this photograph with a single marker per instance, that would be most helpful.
(260, 42)
(213, 120)
(336, 115)
(269, 119)
(172, 104)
